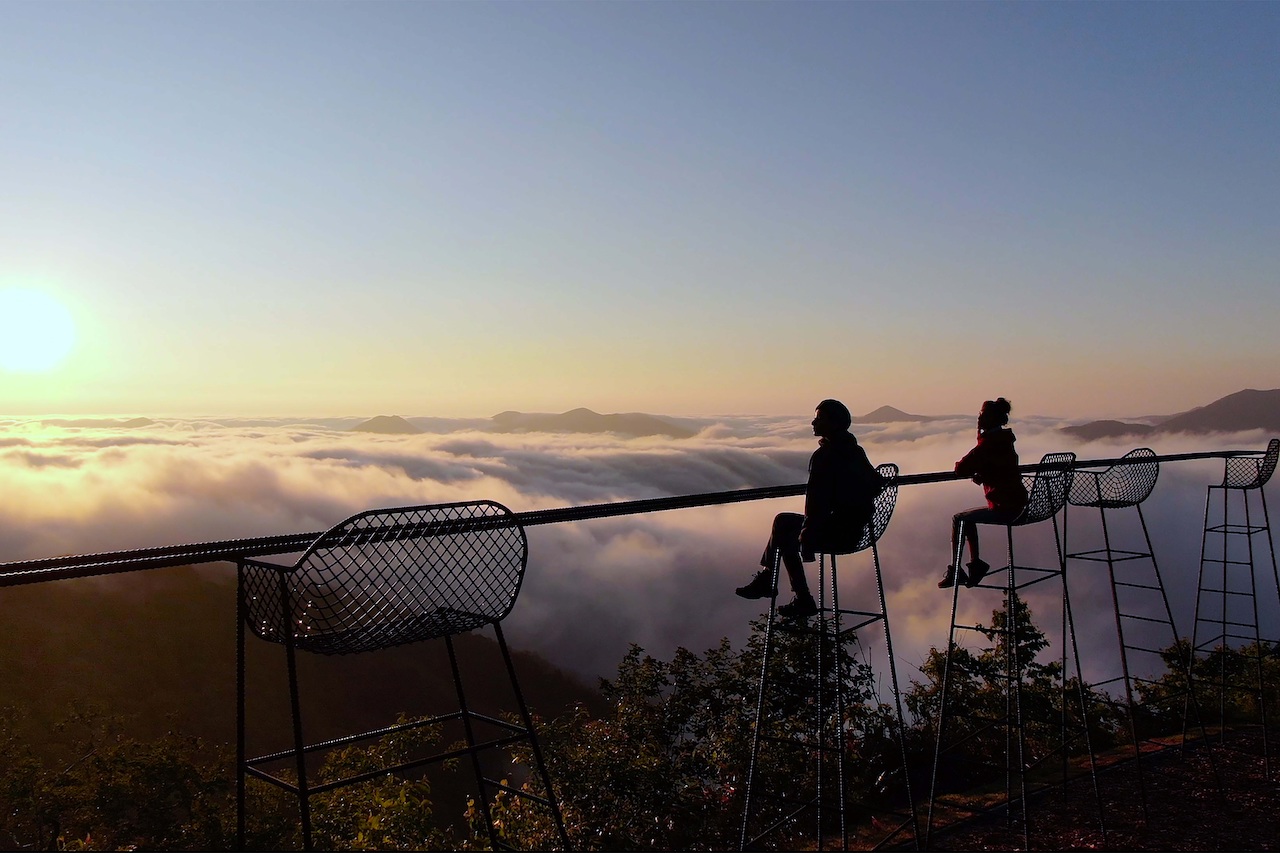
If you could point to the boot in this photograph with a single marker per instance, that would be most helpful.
(977, 571)
(802, 606)
(761, 586)
(949, 579)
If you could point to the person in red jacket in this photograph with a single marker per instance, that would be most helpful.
(994, 464)
(839, 502)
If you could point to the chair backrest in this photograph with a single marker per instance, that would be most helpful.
(1252, 472)
(1123, 484)
(885, 502)
(387, 577)
(1047, 488)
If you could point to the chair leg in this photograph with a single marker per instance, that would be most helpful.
(240, 710)
(1275, 575)
(482, 798)
(1069, 630)
(838, 647)
(755, 732)
(942, 701)
(527, 719)
(1257, 636)
(1013, 701)
(300, 757)
(897, 701)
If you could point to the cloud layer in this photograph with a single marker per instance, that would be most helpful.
(660, 580)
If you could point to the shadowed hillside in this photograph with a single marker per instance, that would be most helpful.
(1243, 410)
(159, 648)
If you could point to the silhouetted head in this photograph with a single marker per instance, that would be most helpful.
(994, 414)
(830, 418)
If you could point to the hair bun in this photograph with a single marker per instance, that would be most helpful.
(995, 411)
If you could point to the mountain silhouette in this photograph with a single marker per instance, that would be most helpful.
(890, 415)
(632, 424)
(131, 423)
(1095, 430)
(387, 425)
(1248, 409)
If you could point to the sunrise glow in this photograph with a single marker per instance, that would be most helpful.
(36, 331)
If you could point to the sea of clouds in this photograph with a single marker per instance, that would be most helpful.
(661, 580)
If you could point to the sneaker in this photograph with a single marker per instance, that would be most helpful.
(977, 571)
(949, 579)
(801, 606)
(761, 586)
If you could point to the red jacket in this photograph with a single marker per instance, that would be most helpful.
(994, 464)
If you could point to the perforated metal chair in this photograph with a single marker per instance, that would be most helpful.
(1228, 583)
(766, 812)
(379, 579)
(1138, 595)
(1047, 490)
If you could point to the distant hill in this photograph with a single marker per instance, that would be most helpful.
(1095, 430)
(632, 424)
(890, 415)
(118, 423)
(1248, 409)
(387, 425)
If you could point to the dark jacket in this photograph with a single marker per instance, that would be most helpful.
(994, 464)
(840, 497)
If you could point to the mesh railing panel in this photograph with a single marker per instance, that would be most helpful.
(389, 577)
(1121, 485)
(1047, 488)
(1252, 472)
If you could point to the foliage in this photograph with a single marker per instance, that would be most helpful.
(385, 813)
(666, 768)
(113, 792)
(1230, 686)
(178, 793)
(980, 707)
(662, 767)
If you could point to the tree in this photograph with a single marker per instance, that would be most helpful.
(666, 767)
(979, 703)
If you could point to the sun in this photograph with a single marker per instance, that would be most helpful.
(36, 331)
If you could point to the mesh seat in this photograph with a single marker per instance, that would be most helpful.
(384, 578)
(1121, 485)
(828, 734)
(885, 502)
(380, 579)
(1047, 488)
(1251, 471)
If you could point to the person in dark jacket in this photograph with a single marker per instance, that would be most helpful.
(993, 463)
(839, 503)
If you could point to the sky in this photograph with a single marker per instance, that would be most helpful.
(455, 209)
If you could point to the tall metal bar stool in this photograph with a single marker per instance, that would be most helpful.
(1047, 491)
(1227, 596)
(1141, 606)
(805, 715)
(379, 579)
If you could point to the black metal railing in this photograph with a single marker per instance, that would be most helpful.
(44, 570)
